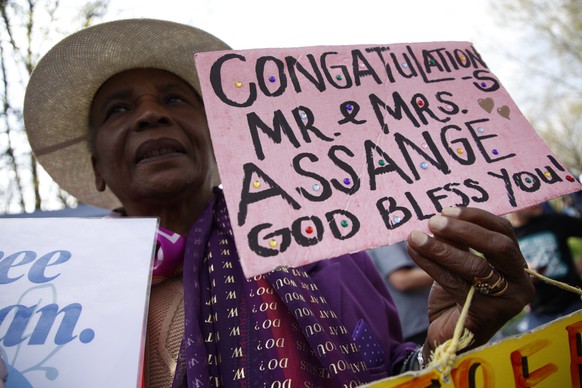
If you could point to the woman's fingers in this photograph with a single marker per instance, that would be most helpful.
(451, 267)
(444, 261)
(484, 232)
(424, 249)
(496, 271)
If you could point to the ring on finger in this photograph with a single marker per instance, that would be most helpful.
(486, 287)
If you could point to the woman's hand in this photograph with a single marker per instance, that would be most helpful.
(503, 287)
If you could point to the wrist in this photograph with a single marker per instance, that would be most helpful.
(414, 361)
(420, 358)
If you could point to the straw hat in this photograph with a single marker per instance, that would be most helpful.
(62, 86)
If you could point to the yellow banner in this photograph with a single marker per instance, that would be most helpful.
(548, 357)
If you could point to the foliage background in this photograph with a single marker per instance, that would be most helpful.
(29, 28)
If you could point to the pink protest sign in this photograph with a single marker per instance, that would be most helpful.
(330, 150)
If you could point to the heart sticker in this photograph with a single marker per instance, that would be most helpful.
(504, 111)
(486, 103)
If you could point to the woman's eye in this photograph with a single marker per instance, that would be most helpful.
(115, 109)
(174, 99)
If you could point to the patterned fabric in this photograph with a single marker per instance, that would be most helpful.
(250, 332)
(368, 344)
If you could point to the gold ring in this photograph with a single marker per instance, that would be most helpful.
(498, 288)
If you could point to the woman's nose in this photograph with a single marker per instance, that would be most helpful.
(150, 114)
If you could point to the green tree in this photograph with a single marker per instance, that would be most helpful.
(551, 70)
(28, 29)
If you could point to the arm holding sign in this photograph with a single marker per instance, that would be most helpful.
(448, 259)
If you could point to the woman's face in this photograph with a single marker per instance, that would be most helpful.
(151, 139)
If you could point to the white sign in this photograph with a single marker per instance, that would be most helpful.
(73, 300)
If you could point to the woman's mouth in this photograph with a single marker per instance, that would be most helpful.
(153, 150)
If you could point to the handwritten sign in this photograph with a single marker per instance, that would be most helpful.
(73, 300)
(329, 150)
(548, 357)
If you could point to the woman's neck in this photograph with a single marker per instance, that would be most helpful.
(177, 216)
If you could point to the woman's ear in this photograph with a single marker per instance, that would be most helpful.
(215, 175)
(99, 181)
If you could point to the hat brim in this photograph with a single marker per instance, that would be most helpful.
(62, 86)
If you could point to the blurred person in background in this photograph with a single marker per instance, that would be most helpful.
(544, 240)
(409, 286)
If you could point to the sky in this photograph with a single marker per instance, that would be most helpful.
(298, 23)
(248, 24)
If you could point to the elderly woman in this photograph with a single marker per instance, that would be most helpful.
(114, 115)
